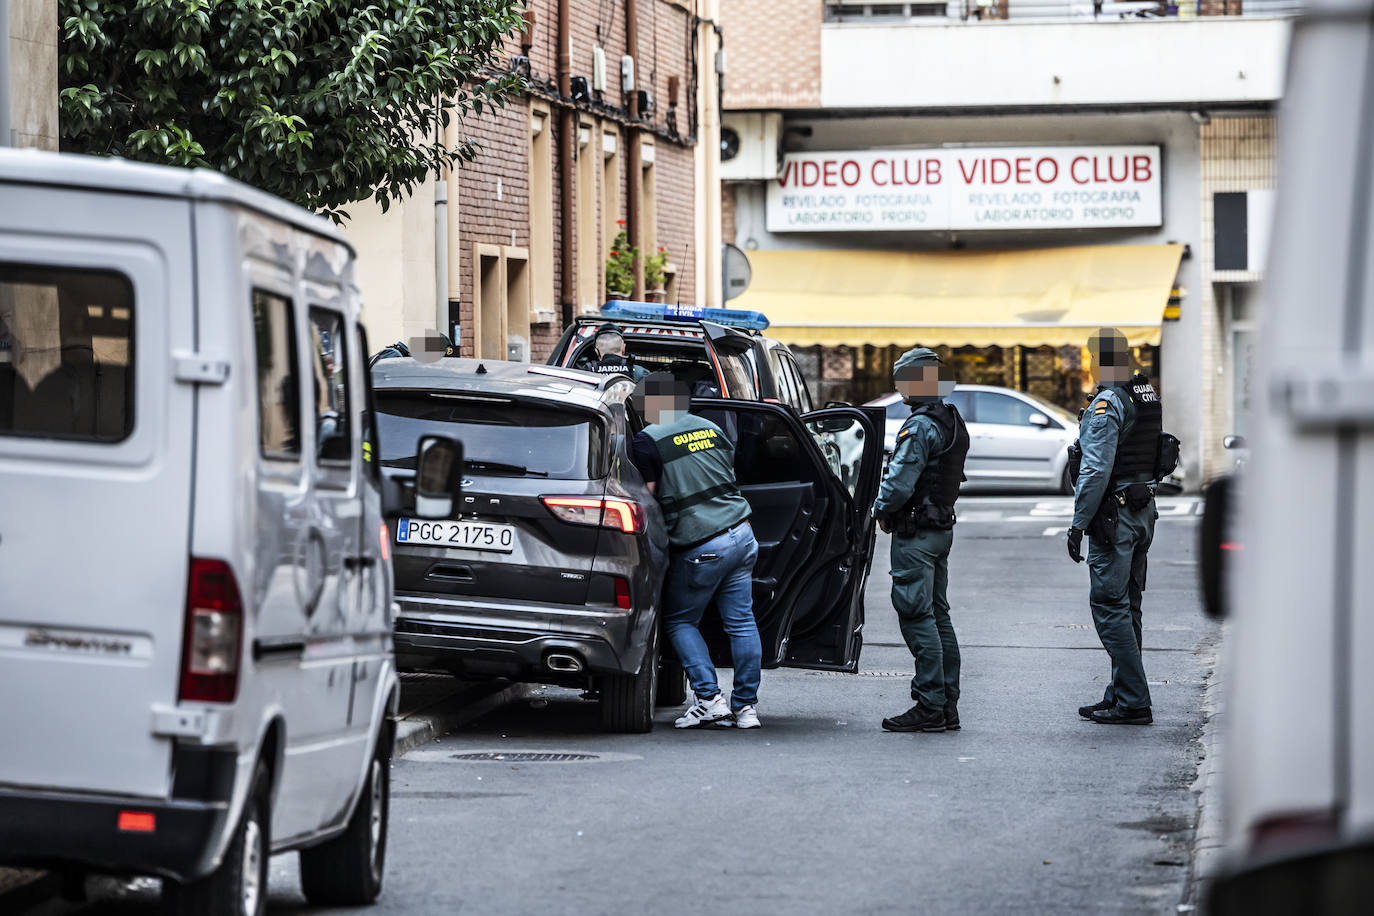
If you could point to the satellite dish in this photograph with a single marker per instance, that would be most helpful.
(729, 144)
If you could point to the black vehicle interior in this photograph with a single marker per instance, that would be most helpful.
(686, 359)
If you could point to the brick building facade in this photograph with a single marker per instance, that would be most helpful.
(507, 243)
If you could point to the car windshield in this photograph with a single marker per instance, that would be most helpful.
(500, 437)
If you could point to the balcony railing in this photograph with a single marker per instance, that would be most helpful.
(943, 13)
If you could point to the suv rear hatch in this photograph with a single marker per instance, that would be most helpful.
(517, 451)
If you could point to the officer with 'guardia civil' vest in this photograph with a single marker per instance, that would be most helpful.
(689, 465)
(1121, 439)
(916, 505)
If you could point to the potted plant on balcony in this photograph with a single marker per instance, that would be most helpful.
(654, 276)
(620, 268)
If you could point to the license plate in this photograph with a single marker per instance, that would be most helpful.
(467, 535)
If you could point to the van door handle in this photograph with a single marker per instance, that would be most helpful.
(359, 562)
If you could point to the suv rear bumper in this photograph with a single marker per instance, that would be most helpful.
(46, 828)
(503, 640)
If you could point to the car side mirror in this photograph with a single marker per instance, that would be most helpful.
(1039, 419)
(1232, 442)
(438, 476)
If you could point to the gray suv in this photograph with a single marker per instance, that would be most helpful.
(550, 569)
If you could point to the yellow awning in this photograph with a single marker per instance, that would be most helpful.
(1032, 298)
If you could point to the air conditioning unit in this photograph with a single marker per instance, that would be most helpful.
(598, 70)
(750, 143)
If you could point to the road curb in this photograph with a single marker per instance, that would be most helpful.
(1209, 837)
(433, 721)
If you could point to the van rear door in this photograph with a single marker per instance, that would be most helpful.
(95, 468)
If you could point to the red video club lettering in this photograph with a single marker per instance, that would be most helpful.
(850, 173)
(971, 171)
(1143, 168)
(787, 171)
(932, 171)
(810, 174)
(1023, 170)
(828, 173)
(1073, 169)
(875, 174)
(1040, 171)
(993, 171)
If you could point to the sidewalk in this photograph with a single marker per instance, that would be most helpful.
(432, 705)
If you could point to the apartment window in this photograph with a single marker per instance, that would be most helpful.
(589, 257)
(648, 204)
(541, 208)
(610, 189)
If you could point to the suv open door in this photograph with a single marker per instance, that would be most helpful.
(813, 527)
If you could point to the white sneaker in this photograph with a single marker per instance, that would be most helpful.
(704, 712)
(746, 717)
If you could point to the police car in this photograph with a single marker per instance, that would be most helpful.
(719, 352)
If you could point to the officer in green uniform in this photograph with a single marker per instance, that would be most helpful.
(1118, 435)
(916, 504)
(689, 465)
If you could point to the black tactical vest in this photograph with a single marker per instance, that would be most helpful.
(941, 477)
(1137, 450)
(611, 365)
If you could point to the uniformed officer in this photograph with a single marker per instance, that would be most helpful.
(916, 504)
(689, 465)
(1118, 435)
(610, 352)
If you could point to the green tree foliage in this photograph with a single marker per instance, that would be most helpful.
(322, 102)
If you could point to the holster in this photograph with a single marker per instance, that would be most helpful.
(1138, 496)
(1075, 462)
(1103, 526)
(926, 516)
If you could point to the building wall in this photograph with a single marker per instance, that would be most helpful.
(492, 195)
(773, 53)
(32, 61)
(1238, 154)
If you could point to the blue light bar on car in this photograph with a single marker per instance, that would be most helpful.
(628, 310)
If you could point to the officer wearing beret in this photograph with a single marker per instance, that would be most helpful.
(1118, 436)
(916, 505)
(610, 352)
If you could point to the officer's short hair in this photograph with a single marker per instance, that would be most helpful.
(665, 384)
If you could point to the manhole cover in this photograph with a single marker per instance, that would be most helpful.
(524, 757)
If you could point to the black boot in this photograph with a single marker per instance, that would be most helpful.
(916, 719)
(1087, 711)
(1118, 715)
(952, 717)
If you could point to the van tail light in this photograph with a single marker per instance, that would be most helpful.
(622, 593)
(214, 632)
(617, 514)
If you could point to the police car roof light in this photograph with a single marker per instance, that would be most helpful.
(655, 311)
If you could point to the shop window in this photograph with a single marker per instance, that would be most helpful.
(541, 207)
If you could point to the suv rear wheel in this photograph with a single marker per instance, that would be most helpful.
(627, 700)
(347, 870)
(238, 887)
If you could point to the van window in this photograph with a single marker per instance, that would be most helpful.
(329, 356)
(279, 404)
(66, 353)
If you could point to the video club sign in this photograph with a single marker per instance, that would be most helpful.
(1077, 187)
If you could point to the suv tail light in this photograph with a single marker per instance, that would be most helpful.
(214, 631)
(617, 514)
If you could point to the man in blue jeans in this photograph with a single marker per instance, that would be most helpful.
(689, 465)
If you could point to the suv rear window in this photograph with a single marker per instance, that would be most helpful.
(500, 437)
(66, 353)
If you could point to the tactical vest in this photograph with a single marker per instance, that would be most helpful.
(611, 365)
(1137, 449)
(940, 479)
(697, 489)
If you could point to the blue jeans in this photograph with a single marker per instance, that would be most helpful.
(722, 568)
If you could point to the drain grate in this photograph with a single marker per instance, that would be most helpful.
(859, 673)
(525, 757)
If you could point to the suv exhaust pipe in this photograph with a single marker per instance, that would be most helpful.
(563, 662)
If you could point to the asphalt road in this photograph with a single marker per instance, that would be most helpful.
(1028, 809)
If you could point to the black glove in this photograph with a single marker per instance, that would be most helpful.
(885, 523)
(1076, 544)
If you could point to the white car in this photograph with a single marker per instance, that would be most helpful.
(1016, 440)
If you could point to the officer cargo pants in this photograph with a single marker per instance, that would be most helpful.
(1117, 583)
(920, 576)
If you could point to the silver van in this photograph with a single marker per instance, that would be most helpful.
(195, 589)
